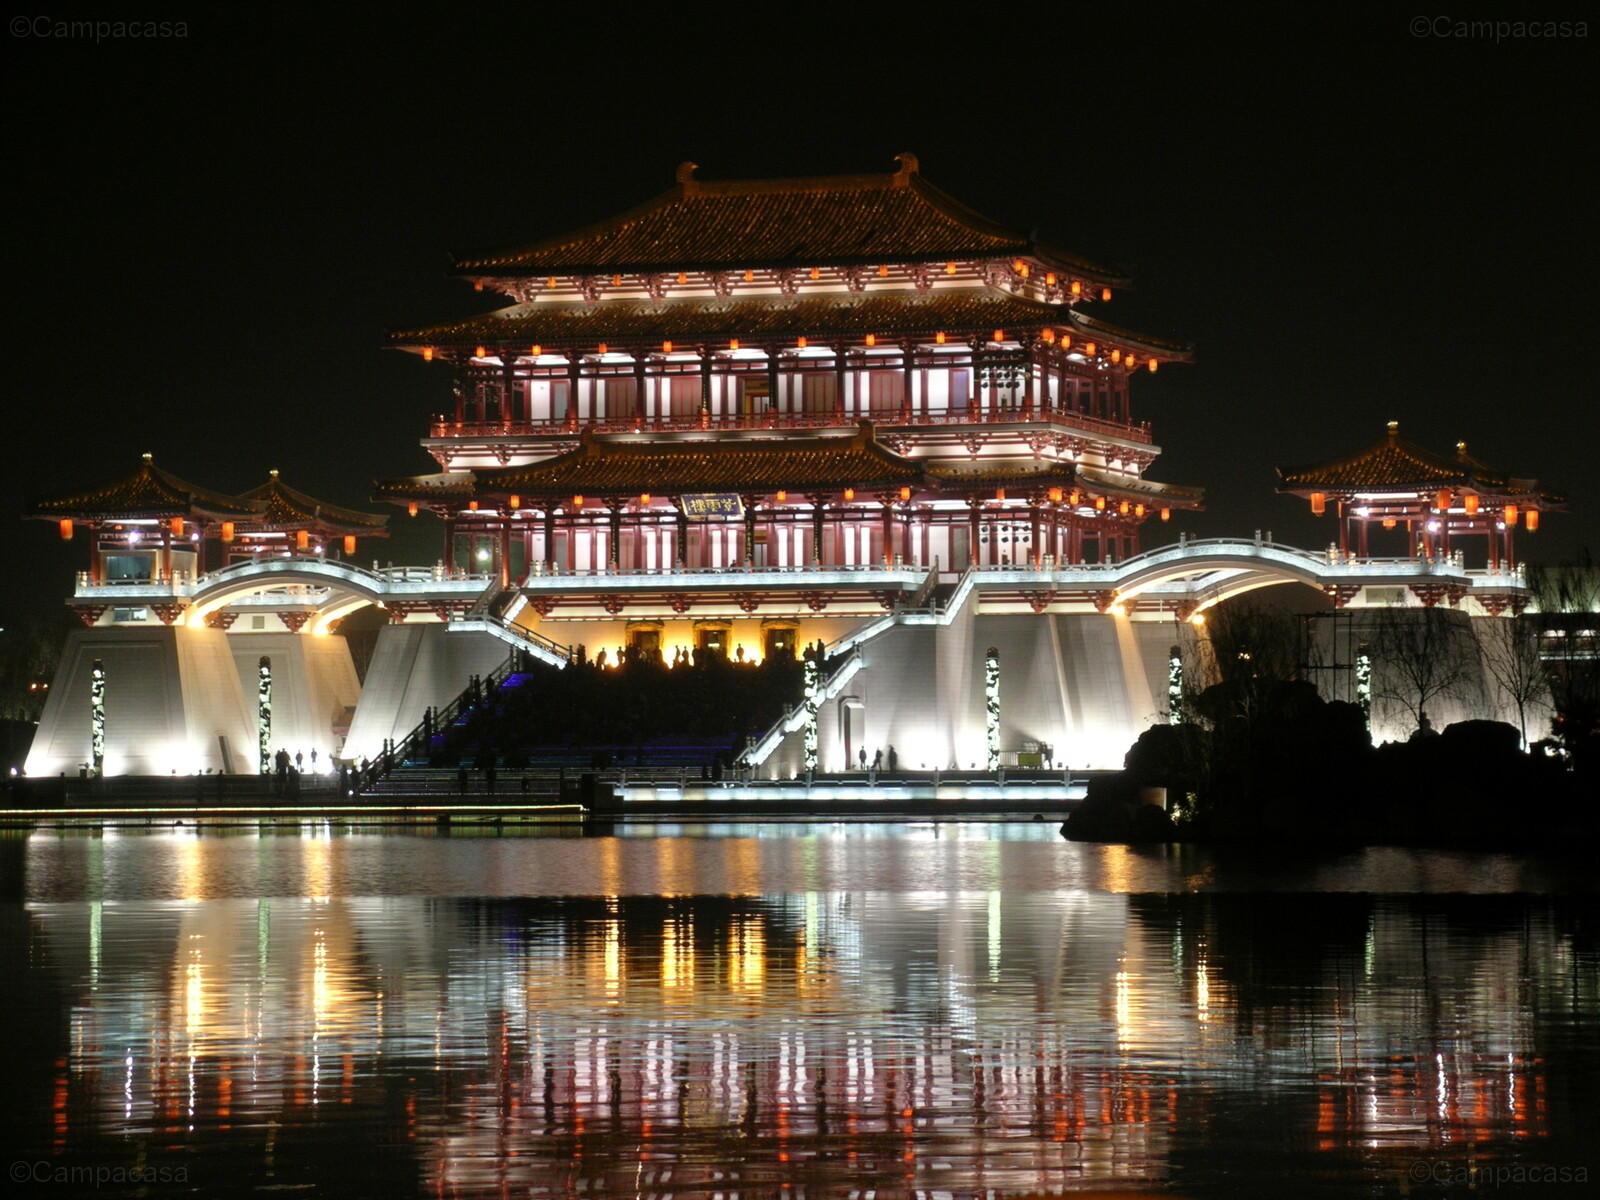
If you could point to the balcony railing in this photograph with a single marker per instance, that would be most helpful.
(891, 420)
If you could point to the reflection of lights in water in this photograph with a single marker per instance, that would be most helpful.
(193, 992)
(994, 937)
(1122, 1006)
(613, 956)
(191, 871)
(747, 956)
(790, 1025)
(317, 860)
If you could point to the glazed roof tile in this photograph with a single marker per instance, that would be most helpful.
(148, 493)
(760, 223)
(287, 508)
(887, 314)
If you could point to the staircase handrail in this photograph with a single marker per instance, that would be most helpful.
(791, 720)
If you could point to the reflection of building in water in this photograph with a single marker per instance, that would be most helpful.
(927, 1040)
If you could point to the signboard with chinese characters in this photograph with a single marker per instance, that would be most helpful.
(711, 506)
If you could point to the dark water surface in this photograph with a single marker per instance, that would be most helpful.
(790, 1011)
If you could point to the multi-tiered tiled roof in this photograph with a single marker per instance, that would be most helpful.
(739, 224)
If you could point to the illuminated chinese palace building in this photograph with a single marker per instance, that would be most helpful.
(746, 417)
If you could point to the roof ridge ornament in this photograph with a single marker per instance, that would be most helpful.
(908, 165)
(685, 176)
(1394, 432)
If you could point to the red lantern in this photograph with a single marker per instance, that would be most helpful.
(66, 529)
(175, 526)
(1319, 503)
(411, 509)
(349, 545)
(302, 539)
(227, 531)
(1531, 518)
(1166, 514)
(1105, 293)
(1470, 503)
(1511, 515)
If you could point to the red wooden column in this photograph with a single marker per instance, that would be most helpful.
(749, 555)
(974, 511)
(887, 501)
(705, 387)
(639, 363)
(1027, 376)
(574, 386)
(549, 535)
(459, 386)
(774, 361)
(508, 387)
(1035, 541)
(818, 516)
(908, 352)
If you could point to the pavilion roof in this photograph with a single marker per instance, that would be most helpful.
(767, 223)
(1091, 327)
(445, 487)
(1140, 490)
(1394, 464)
(785, 318)
(286, 508)
(148, 493)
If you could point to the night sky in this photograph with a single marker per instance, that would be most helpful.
(207, 236)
